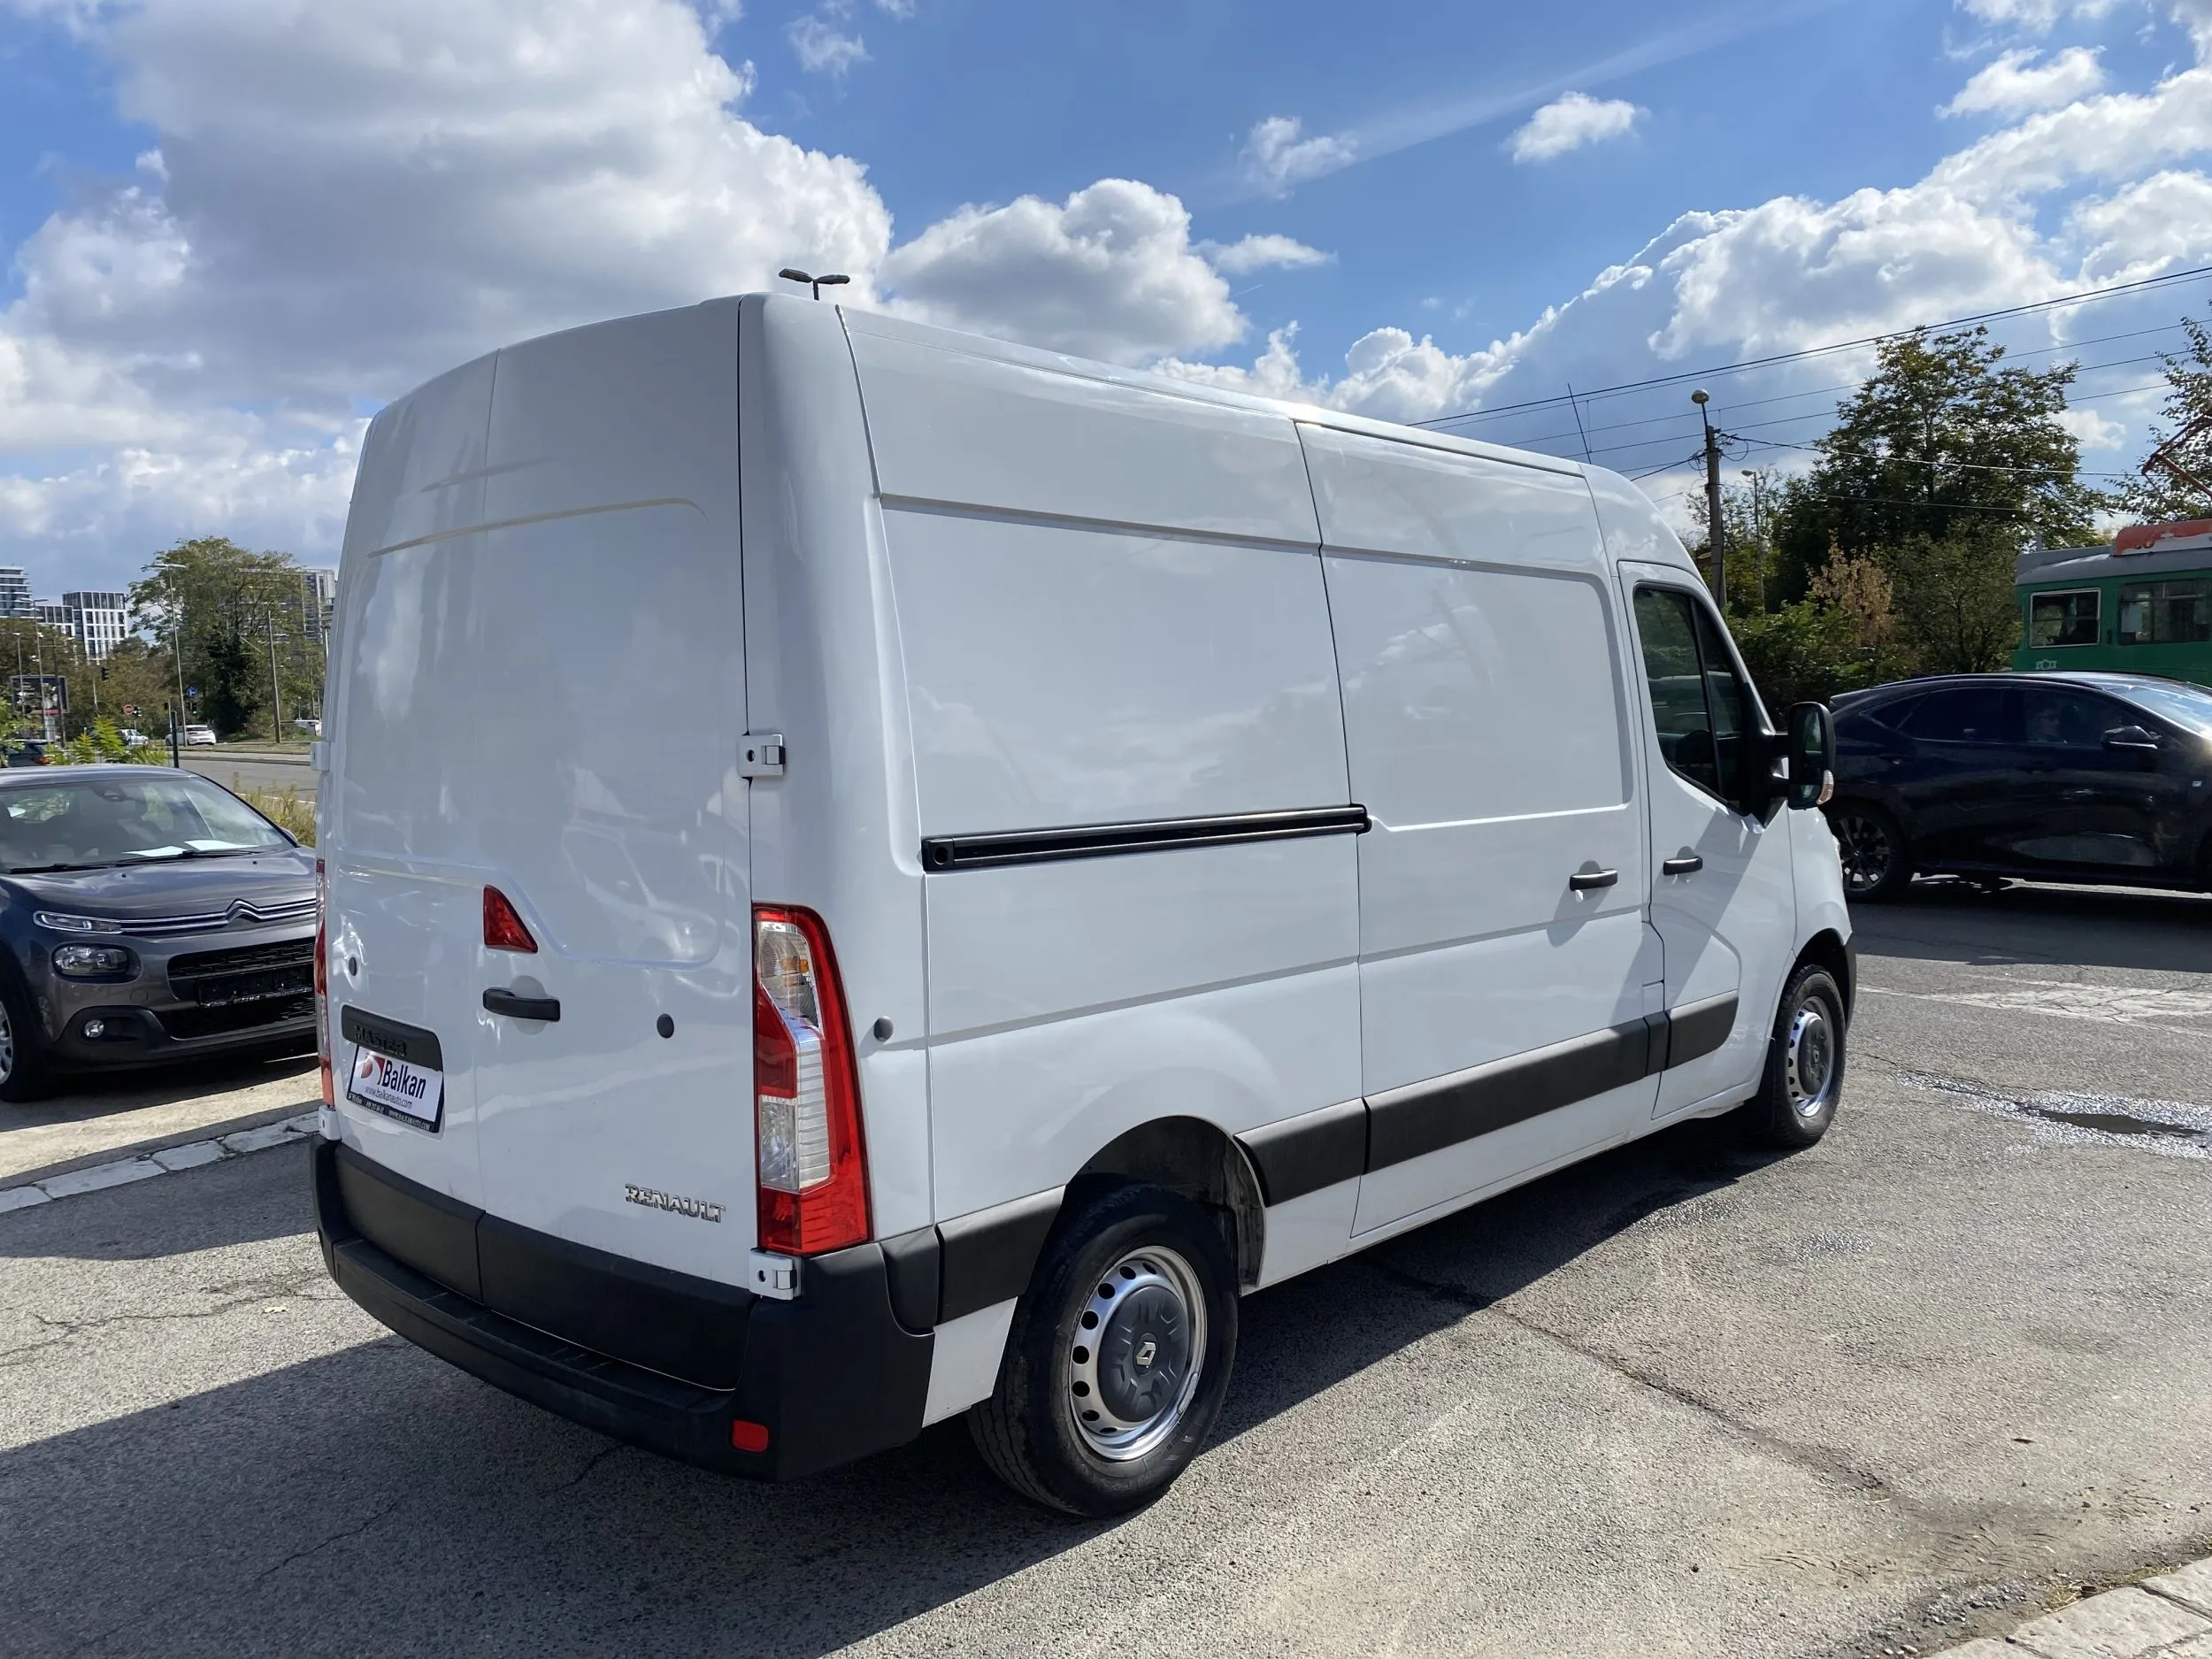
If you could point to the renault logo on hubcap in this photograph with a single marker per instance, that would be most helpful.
(1145, 1351)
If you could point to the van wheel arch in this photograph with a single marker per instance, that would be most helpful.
(1827, 950)
(1198, 1161)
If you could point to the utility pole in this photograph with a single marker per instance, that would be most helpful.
(1715, 525)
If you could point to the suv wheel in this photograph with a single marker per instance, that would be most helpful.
(1804, 1071)
(1118, 1358)
(1872, 850)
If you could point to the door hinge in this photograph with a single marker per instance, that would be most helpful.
(772, 1276)
(760, 754)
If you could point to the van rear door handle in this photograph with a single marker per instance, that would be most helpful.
(1589, 880)
(499, 1000)
(1687, 865)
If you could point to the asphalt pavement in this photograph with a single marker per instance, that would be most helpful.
(1911, 1387)
(251, 769)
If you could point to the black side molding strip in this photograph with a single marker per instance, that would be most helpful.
(941, 853)
(1304, 1154)
(986, 1256)
(1427, 1116)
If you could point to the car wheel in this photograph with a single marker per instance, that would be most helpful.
(22, 1052)
(1119, 1354)
(1804, 1071)
(1872, 847)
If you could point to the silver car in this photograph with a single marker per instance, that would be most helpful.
(146, 915)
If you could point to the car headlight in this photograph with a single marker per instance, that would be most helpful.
(91, 962)
(64, 924)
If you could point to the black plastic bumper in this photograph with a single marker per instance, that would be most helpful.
(833, 1374)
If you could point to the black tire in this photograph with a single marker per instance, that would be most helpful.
(23, 1068)
(1877, 860)
(1138, 1262)
(1803, 1081)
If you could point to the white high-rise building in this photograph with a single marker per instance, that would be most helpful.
(319, 594)
(100, 620)
(15, 591)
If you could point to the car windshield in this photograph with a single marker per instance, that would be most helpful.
(2185, 705)
(87, 822)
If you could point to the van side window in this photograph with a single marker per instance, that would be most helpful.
(1699, 702)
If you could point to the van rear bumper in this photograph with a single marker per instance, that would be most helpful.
(832, 1375)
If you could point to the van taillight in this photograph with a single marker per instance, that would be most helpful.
(813, 1170)
(322, 984)
(502, 925)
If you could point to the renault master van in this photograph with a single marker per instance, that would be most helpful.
(872, 875)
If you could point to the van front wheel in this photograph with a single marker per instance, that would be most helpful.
(1804, 1073)
(1118, 1358)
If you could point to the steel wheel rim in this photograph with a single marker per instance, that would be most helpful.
(1810, 1066)
(1151, 1296)
(1868, 856)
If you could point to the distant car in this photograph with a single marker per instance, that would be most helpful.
(30, 751)
(2096, 778)
(195, 737)
(146, 915)
(132, 737)
(313, 728)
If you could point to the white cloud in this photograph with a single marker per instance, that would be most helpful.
(1110, 273)
(822, 48)
(1259, 253)
(1278, 155)
(2035, 16)
(2016, 83)
(2159, 224)
(1571, 121)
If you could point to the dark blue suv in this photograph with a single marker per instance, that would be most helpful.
(2057, 777)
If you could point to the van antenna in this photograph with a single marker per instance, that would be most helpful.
(816, 282)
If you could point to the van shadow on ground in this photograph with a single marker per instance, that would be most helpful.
(378, 1500)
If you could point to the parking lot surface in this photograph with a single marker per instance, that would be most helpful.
(1911, 1387)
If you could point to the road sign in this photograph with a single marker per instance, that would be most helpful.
(130, 711)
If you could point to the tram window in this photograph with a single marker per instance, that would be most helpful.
(2067, 618)
(2167, 614)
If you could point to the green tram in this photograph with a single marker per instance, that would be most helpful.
(2141, 606)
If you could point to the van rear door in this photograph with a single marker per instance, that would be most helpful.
(546, 698)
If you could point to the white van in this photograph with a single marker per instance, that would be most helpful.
(874, 875)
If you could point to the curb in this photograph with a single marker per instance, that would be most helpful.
(95, 1178)
(33, 1175)
(2166, 1617)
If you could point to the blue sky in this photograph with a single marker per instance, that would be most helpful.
(234, 227)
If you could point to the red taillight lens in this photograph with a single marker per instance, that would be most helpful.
(749, 1436)
(502, 928)
(813, 1170)
(322, 983)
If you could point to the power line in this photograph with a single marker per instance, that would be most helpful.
(2085, 297)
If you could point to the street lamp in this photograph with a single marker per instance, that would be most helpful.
(816, 282)
(1758, 533)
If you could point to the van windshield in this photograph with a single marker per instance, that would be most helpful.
(87, 823)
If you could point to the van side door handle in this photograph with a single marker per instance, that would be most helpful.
(1590, 880)
(1687, 865)
(499, 1000)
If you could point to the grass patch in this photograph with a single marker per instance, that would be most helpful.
(286, 808)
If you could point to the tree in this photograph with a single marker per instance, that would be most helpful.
(224, 607)
(1839, 638)
(1744, 511)
(2158, 496)
(1941, 445)
(1958, 612)
(30, 649)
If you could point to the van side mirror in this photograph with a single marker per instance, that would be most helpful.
(1809, 735)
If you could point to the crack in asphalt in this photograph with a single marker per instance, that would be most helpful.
(335, 1538)
(1816, 1460)
(301, 1291)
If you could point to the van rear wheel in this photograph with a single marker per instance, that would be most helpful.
(1119, 1354)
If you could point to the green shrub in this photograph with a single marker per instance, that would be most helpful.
(286, 808)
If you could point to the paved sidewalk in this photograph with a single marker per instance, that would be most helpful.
(81, 1125)
(2166, 1617)
(92, 1178)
